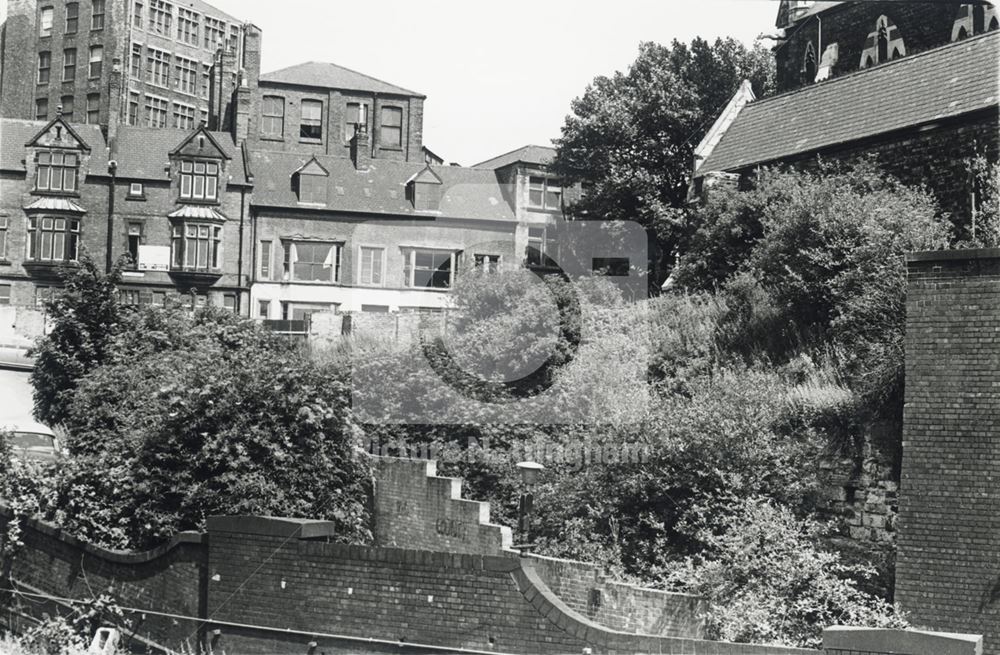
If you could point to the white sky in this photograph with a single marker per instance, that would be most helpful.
(497, 75)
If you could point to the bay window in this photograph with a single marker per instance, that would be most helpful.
(196, 246)
(53, 238)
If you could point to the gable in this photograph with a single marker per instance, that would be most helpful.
(200, 144)
(58, 134)
(425, 176)
(313, 167)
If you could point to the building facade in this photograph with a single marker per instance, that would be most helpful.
(64, 54)
(170, 204)
(924, 116)
(820, 40)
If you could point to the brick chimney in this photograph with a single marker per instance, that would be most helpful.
(361, 147)
(222, 89)
(246, 100)
(115, 101)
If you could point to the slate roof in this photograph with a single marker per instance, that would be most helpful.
(541, 155)
(143, 152)
(935, 84)
(466, 193)
(15, 133)
(331, 76)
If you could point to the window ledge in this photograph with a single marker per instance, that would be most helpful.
(136, 198)
(278, 139)
(391, 148)
(49, 270)
(304, 139)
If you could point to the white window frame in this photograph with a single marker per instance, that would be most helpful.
(410, 268)
(361, 265)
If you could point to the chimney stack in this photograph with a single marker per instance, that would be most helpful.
(114, 100)
(361, 148)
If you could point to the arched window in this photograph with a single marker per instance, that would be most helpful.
(882, 41)
(809, 64)
(978, 19)
(994, 24)
(962, 34)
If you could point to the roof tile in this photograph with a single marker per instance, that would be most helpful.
(940, 83)
(331, 76)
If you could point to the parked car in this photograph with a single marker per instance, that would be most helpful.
(33, 441)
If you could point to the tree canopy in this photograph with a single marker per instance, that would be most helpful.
(630, 137)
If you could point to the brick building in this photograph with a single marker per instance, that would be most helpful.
(174, 201)
(923, 116)
(64, 53)
(820, 40)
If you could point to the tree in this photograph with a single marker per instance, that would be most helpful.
(84, 317)
(191, 416)
(631, 136)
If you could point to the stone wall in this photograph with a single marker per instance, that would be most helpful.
(948, 572)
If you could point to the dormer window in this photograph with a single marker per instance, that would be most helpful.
(973, 19)
(310, 182)
(56, 172)
(199, 180)
(883, 44)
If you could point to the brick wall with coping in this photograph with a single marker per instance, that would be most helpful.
(168, 579)
(414, 508)
(948, 573)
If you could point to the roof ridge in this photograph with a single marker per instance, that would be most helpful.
(511, 152)
(880, 66)
(344, 68)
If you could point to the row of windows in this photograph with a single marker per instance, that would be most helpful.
(46, 18)
(272, 123)
(153, 111)
(321, 261)
(91, 115)
(185, 72)
(94, 68)
(157, 17)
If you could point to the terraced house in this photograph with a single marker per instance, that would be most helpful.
(317, 195)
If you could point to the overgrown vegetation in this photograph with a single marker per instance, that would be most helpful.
(687, 429)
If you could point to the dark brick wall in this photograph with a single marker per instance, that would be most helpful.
(922, 25)
(325, 590)
(933, 154)
(170, 579)
(948, 573)
(334, 114)
(23, 43)
(416, 509)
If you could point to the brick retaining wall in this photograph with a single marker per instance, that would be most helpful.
(948, 571)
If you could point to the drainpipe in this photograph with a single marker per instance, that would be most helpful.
(819, 40)
(239, 264)
(113, 171)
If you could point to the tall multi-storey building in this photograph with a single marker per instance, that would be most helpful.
(62, 53)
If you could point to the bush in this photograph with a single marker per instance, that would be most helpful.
(768, 582)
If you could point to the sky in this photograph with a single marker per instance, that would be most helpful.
(497, 75)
